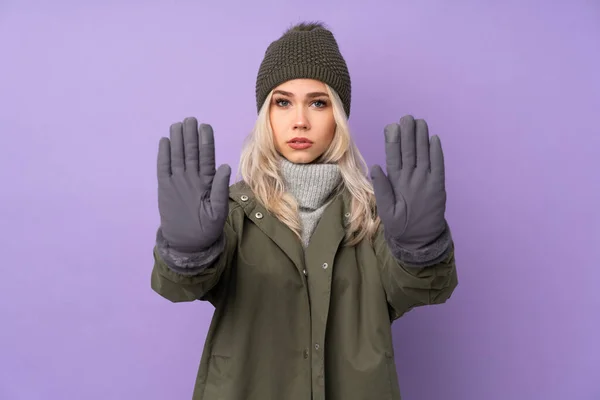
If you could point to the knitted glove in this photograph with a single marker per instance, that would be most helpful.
(192, 197)
(411, 199)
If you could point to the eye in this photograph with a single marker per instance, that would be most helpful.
(320, 103)
(282, 102)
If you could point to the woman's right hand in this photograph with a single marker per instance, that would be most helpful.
(193, 199)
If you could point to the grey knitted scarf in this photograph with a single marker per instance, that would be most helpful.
(312, 186)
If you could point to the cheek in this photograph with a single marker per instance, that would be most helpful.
(275, 127)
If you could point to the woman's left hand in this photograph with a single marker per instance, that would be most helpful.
(411, 199)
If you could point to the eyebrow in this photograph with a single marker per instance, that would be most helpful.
(309, 95)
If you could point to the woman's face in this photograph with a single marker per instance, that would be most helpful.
(302, 120)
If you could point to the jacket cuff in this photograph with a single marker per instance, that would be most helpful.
(425, 256)
(188, 263)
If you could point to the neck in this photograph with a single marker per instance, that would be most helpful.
(310, 184)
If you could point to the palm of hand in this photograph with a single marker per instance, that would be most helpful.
(411, 199)
(192, 195)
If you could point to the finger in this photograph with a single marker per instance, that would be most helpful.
(437, 158)
(408, 142)
(164, 158)
(384, 192)
(219, 195)
(177, 153)
(422, 145)
(207, 155)
(190, 143)
(393, 156)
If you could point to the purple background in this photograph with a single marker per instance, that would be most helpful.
(86, 91)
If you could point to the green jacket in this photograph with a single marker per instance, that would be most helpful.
(291, 324)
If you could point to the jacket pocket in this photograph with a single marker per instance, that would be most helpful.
(218, 378)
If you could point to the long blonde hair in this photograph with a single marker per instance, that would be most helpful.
(259, 168)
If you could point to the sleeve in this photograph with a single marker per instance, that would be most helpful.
(416, 278)
(188, 277)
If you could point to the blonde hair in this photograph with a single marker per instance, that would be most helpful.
(259, 168)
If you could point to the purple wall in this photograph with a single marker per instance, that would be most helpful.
(86, 91)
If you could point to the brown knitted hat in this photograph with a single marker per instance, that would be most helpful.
(309, 51)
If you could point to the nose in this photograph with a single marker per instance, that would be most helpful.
(301, 121)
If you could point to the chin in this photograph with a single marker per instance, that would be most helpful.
(300, 158)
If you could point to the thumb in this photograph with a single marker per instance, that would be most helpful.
(384, 193)
(219, 193)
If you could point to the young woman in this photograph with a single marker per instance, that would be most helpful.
(305, 261)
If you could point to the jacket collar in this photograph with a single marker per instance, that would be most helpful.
(328, 232)
(241, 193)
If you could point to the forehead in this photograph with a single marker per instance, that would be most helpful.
(300, 86)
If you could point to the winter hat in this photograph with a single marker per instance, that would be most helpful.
(309, 51)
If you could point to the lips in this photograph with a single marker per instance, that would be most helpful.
(300, 140)
(300, 143)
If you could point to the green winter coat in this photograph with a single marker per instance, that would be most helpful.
(291, 324)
